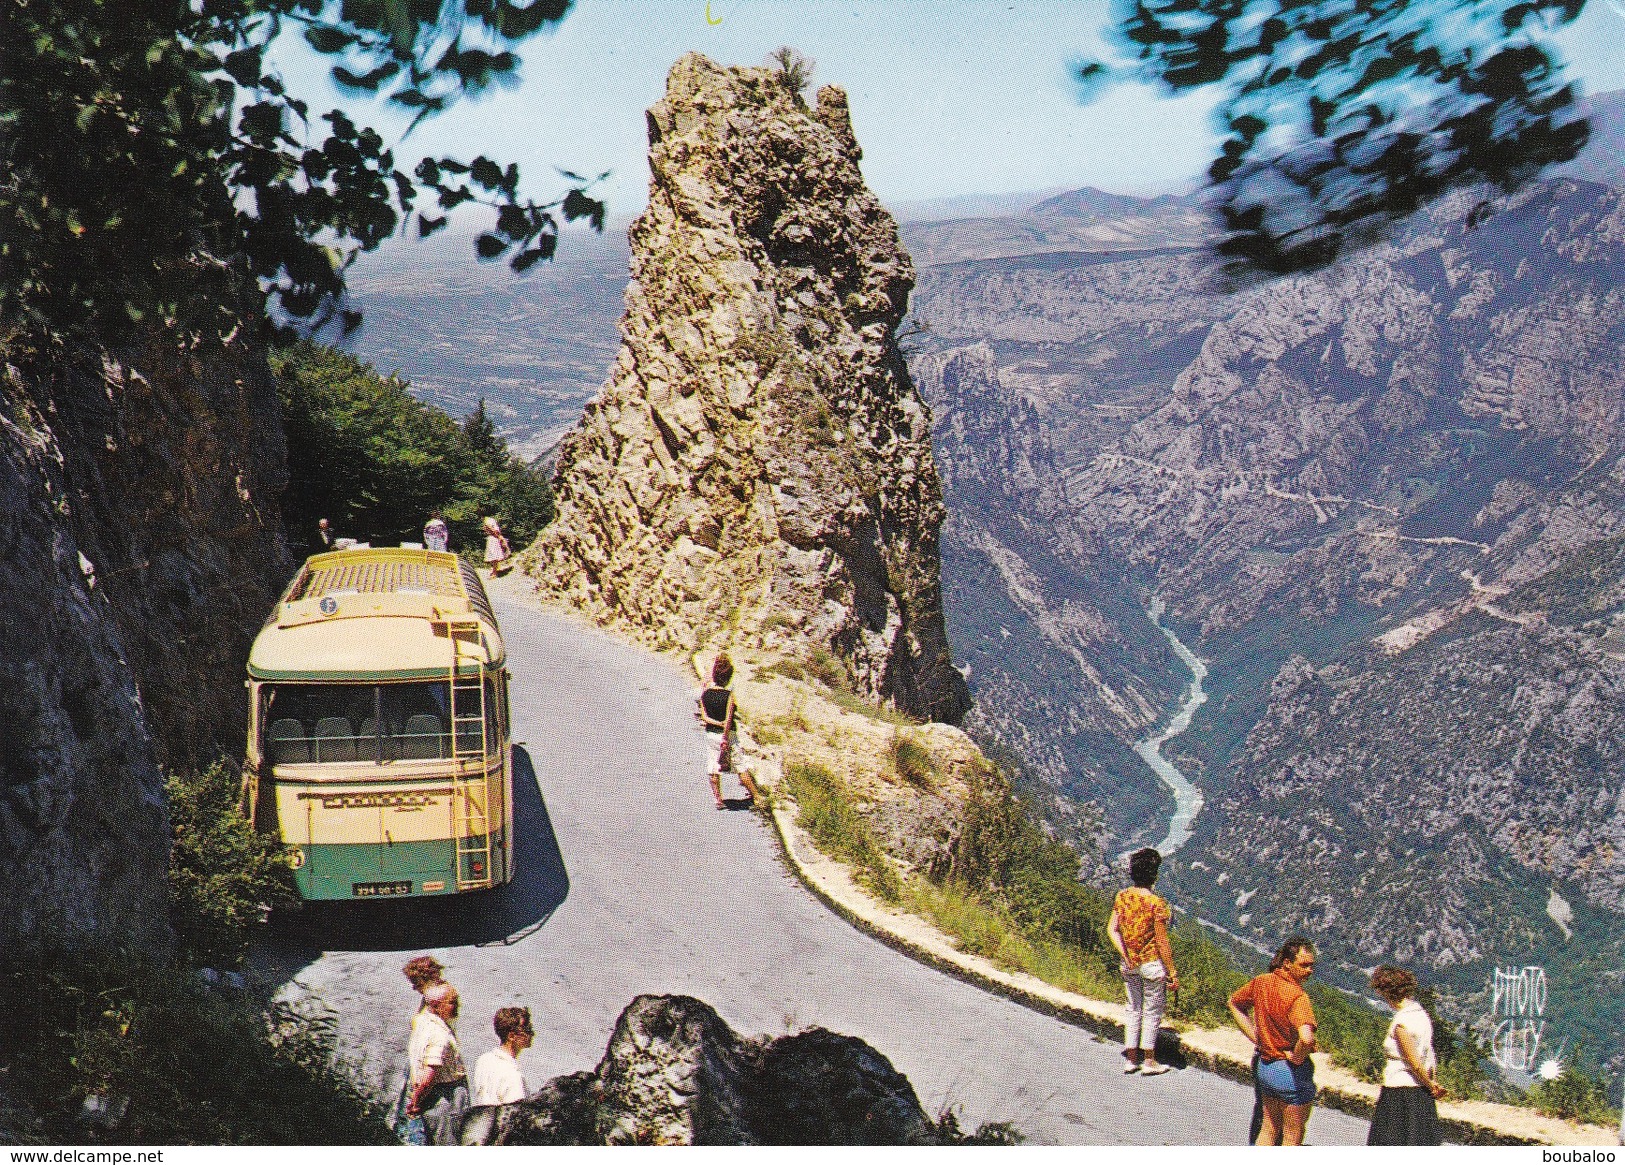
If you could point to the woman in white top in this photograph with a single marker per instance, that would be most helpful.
(1406, 1113)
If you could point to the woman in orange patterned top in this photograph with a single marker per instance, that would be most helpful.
(1139, 931)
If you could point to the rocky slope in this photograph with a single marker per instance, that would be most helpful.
(759, 459)
(676, 1074)
(138, 512)
(1401, 471)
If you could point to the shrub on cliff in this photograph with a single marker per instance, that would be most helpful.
(374, 461)
(135, 1053)
(1576, 1094)
(222, 874)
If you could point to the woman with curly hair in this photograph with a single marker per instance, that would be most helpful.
(1407, 1110)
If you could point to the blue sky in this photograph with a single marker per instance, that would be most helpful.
(948, 97)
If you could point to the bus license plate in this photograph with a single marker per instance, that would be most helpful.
(379, 889)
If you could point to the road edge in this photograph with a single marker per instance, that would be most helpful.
(1467, 1122)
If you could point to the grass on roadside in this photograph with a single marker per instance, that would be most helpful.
(825, 811)
(981, 928)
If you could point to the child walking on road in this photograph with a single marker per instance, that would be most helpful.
(1139, 931)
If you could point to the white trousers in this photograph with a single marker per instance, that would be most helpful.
(1147, 987)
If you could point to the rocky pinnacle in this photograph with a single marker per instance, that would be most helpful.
(758, 465)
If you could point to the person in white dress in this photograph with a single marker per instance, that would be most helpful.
(496, 547)
(497, 1077)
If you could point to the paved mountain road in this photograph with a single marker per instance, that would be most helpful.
(632, 882)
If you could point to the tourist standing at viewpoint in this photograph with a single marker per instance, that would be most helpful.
(1407, 1111)
(496, 547)
(435, 534)
(497, 1077)
(1274, 1012)
(1139, 931)
(438, 1079)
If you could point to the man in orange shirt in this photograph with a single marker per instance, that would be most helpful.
(1274, 1012)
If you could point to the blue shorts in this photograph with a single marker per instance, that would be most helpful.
(1293, 1084)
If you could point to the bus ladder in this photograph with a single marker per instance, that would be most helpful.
(473, 826)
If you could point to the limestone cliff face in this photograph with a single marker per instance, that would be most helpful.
(142, 546)
(759, 462)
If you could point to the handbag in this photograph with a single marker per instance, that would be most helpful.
(725, 754)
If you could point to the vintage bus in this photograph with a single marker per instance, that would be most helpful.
(378, 728)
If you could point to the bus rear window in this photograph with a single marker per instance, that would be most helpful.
(338, 723)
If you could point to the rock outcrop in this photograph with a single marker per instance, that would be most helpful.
(142, 547)
(759, 462)
(676, 1074)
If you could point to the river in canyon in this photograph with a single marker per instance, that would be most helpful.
(1187, 797)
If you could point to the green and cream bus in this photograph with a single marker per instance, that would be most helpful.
(378, 728)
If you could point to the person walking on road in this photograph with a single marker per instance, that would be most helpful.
(435, 534)
(1407, 1110)
(1139, 931)
(717, 714)
(497, 1078)
(1274, 1012)
(438, 1079)
(497, 554)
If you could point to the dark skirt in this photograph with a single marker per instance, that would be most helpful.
(1404, 1116)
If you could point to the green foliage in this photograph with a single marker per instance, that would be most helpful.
(911, 761)
(1207, 978)
(143, 141)
(222, 874)
(826, 812)
(1350, 1031)
(1462, 1060)
(1577, 1094)
(788, 668)
(794, 69)
(376, 462)
(196, 1064)
(983, 926)
(823, 666)
(1343, 115)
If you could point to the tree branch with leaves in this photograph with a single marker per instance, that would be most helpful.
(1343, 115)
(140, 139)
